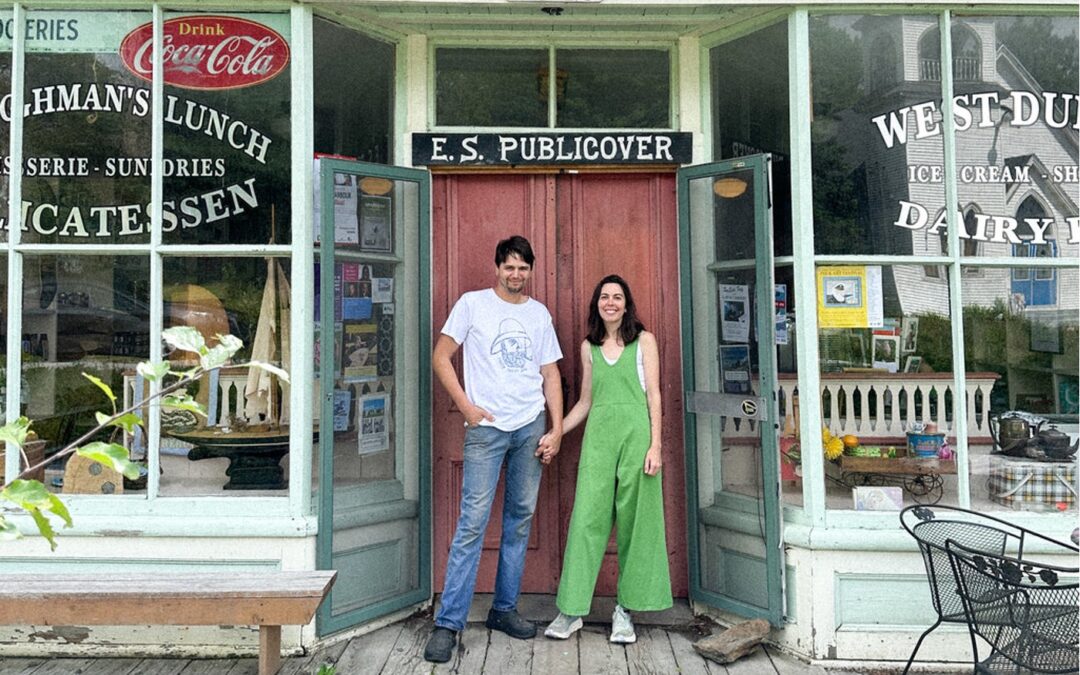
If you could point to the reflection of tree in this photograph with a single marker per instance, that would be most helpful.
(835, 67)
(1051, 58)
(836, 205)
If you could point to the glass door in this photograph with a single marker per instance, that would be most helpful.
(729, 368)
(372, 350)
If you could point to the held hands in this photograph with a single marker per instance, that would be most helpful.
(474, 414)
(549, 446)
(652, 460)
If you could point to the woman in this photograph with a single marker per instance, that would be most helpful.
(619, 470)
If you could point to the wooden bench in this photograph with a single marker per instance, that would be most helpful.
(268, 600)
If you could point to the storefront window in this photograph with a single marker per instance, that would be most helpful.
(354, 85)
(87, 119)
(876, 136)
(618, 88)
(5, 121)
(81, 314)
(248, 298)
(1031, 354)
(491, 87)
(885, 345)
(227, 141)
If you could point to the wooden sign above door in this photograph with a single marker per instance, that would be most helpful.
(545, 149)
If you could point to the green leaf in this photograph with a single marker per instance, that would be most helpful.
(183, 402)
(127, 421)
(15, 432)
(273, 370)
(220, 353)
(185, 338)
(8, 531)
(153, 372)
(112, 455)
(102, 386)
(32, 497)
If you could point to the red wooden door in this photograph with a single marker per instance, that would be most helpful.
(582, 227)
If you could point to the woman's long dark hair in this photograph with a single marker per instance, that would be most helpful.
(631, 326)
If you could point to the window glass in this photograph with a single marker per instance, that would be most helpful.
(876, 135)
(491, 87)
(880, 382)
(87, 117)
(621, 88)
(750, 112)
(227, 155)
(81, 314)
(5, 120)
(1027, 359)
(1017, 134)
(348, 63)
(240, 446)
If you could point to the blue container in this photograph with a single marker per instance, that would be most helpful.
(925, 446)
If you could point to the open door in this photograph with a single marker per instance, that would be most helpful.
(372, 363)
(729, 367)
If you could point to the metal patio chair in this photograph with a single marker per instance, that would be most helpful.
(1027, 611)
(932, 527)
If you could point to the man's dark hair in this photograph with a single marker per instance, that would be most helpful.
(515, 245)
(631, 326)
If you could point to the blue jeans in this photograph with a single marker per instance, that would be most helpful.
(486, 450)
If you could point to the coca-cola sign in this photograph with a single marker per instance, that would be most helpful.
(208, 52)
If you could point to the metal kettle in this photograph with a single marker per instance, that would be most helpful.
(1055, 443)
(1013, 430)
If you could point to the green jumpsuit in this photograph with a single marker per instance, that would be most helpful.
(612, 486)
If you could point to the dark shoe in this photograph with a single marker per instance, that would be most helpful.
(510, 623)
(440, 646)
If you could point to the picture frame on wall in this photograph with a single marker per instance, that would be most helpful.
(912, 364)
(886, 352)
(909, 334)
(376, 224)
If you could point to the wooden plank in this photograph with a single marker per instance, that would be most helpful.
(308, 665)
(597, 655)
(366, 653)
(651, 654)
(688, 660)
(508, 655)
(20, 666)
(551, 657)
(755, 663)
(161, 666)
(208, 667)
(63, 666)
(185, 585)
(407, 656)
(900, 466)
(786, 664)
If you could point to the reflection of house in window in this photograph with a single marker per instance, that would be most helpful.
(969, 248)
(1036, 286)
(966, 48)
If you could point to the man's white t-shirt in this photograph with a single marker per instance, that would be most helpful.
(505, 344)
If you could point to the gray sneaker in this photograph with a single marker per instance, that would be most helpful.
(563, 626)
(622, 628)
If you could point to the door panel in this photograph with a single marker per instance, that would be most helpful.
(736, 557)
(581, 227)
(373, 469)
(472, 213)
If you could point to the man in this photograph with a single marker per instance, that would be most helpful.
(510, 372)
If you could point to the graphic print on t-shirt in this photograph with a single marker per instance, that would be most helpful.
(512, 345)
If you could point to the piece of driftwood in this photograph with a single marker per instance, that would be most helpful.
(733, 643)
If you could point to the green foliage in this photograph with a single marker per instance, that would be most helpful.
(326, 669)
(33, 498)
(836, 66)
(1050, 56)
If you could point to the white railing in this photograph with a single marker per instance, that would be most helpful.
(886, 404)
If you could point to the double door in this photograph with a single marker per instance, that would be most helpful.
(582, 227)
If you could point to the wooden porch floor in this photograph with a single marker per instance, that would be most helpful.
(398, 649)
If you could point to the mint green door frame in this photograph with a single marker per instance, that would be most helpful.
(383, 501)
(766, 351)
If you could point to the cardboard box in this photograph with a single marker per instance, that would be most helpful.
(1029, 485)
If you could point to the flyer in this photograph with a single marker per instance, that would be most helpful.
(849, 296)
(735, 313)
(735, 368)
(360, 352)
(781, 314)
(372, 418)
